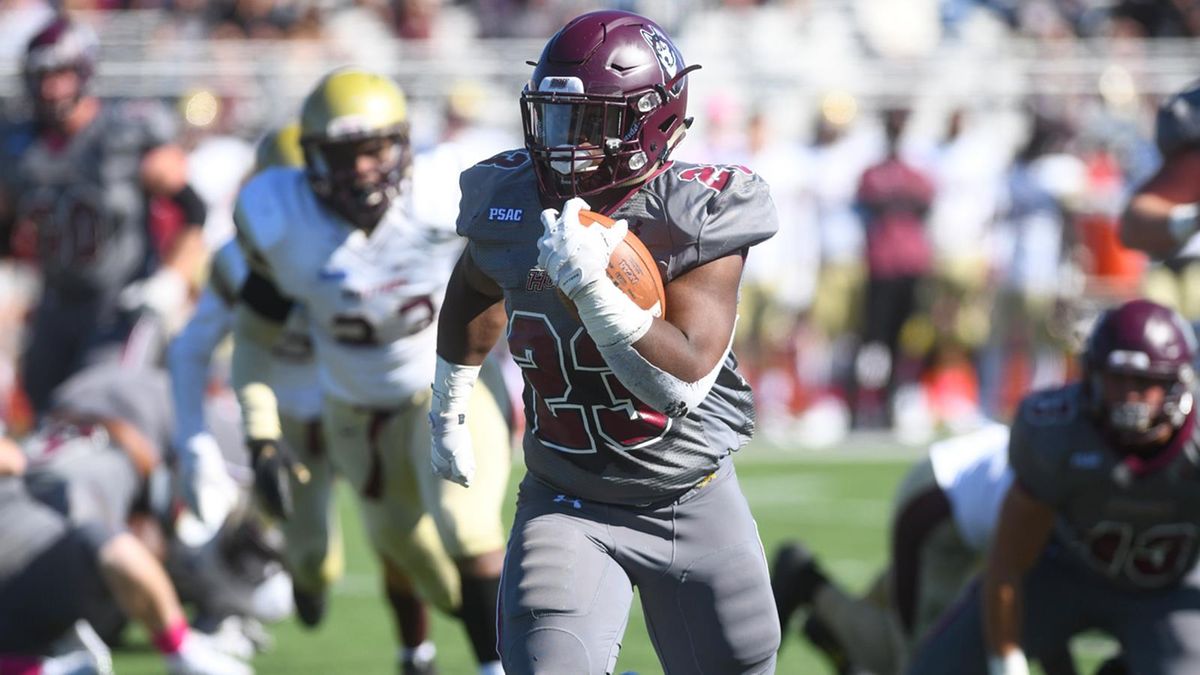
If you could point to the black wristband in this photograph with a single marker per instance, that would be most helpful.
(194, 210)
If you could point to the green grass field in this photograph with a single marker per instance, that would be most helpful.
(838, 506)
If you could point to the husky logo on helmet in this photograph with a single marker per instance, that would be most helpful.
(666, 56)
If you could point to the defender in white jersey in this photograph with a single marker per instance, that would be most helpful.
(347, 239)
(312, 548)
(942, 519)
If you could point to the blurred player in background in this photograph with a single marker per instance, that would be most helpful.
(631, 420)
(943, 516)
(78, 203)
(1163, 214)
(347, 240)
(89, 461)
(1098, 530)
(312, 546)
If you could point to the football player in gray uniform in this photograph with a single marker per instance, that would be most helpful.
(77, 201)
(631, 418)
(1099, 529)
(1161, 217)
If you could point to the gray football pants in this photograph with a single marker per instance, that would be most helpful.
(697, 562)
(1159, 631)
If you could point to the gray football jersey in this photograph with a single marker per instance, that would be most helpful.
(140, 396)
(27, 527)
(1134, 522)
(85, 199)
(587, 435)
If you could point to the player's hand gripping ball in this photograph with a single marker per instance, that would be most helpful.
(573, 253)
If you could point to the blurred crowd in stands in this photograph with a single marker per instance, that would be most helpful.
(937, 258)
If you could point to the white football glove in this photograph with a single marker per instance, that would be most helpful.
(200, 655)
(208, 490)
(575, 255)
(452, 455)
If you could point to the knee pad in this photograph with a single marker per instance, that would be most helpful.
(548, 650)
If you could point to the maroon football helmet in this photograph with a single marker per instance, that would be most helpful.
(61, 45)
(606, 105)
(1144, 339)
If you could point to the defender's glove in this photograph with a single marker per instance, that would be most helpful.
(452, 455)
(575, 255)
(208, 490)
(273, 467)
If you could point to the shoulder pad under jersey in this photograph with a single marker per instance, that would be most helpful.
(1042, 437)
(260, 214)
(1177, 125)
(503, 182)
(714, 210)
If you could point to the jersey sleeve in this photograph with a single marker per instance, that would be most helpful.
(153, 122)
(188, 360)
(228, 272)
(260, 228)
(716, 211)
(1036, 446)
(508, 177)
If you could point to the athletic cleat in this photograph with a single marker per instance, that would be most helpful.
(310, 607)
(821, 637)
(795, 579)
(414, 667)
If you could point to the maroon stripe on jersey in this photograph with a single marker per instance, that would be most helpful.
(919, 517)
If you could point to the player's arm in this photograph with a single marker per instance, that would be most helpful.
(206, 486)
(163, 173)
(258, 321)
(670, 364)
(1021, 535)
(1162, 215)
(12, 460)
(471, 321)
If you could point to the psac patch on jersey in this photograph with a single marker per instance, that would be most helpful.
(505, 215)
(1051, 408)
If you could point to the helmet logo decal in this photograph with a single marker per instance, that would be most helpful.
(713, 176)
(1121, 358)
(667, 59)
(347, 125)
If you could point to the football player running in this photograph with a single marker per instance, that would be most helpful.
(312, 548)
(346, 240)
(79, 181)
(1098, 530)
(631, 419)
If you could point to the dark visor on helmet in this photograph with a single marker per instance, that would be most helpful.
(559, 121)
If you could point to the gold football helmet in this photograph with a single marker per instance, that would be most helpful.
(354, 132)
(280, 147)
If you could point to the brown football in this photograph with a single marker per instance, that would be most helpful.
(631, 268)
